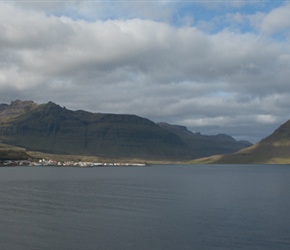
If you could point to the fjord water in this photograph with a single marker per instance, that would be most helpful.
(155, 207)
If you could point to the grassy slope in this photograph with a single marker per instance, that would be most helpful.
(274, 149)
(88, 158)
(257, 154)
(260, 153)
(8, 152)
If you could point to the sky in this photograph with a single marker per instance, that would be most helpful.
(213, 66)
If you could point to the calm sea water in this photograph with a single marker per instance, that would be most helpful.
(156, 207)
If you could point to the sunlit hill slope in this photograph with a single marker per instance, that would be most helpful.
(273, 149)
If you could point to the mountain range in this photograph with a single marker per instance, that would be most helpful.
(53, 129)
(273, 149)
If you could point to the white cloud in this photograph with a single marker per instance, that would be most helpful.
(277, 20)
(225, 82)
(266, 119)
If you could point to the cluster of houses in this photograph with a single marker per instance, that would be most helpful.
(44, 162)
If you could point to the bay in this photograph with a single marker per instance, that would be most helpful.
(155, 207)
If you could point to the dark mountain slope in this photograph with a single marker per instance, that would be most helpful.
(51, 128)
(206, 145)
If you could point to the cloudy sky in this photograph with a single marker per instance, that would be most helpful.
(213, 66)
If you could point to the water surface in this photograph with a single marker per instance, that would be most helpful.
(156, 207)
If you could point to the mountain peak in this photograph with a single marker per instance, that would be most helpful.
(16, 108)
(280, 134)
(52, 105)
(18, 103)
(176, 128)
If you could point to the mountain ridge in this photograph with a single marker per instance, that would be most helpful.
(54, 129)
(205, 145)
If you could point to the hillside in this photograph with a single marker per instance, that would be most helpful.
(206, 145)
(8, 152)
(53, 129)
(274, 149)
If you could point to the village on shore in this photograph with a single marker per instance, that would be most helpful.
(44, 162)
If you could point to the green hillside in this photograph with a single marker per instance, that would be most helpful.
(8, 152)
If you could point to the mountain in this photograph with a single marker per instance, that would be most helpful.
(15, 109)
(53, 129)
(205, 145)
(274, 149)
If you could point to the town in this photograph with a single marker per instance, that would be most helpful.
(44, 162)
